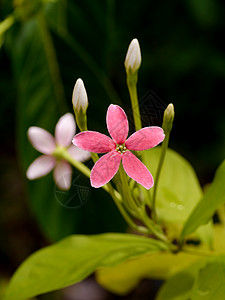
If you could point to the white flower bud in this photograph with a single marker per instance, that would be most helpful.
(80, 99)
(133, 57)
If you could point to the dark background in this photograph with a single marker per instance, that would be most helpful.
(49, 46)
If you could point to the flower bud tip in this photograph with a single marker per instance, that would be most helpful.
(79, 99)
(168, 118)
(133, 57)
(169, 112)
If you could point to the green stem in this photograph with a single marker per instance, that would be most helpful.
(78, 165)
(124, 213)
(94, 157)
(82, 124)
(157, 233)
(126, 190)
(117, 197)
(159, 168)
(132, 87)
(108, 188)
(64, 154)
(141, 212)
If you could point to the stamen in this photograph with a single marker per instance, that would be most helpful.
(121, 149)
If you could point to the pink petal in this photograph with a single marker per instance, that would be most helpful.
(145, 138)
(78, 154)
(105, 169)
(63, 175)
(65, 130)
(40, 166)
(117, 123)
(94, 142)
(137, 170)
(41, 139)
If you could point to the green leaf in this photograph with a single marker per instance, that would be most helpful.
(210, 283)
(179, 286)
(123, 278)
(213, 198)
(178, 192)
(205, 234)
(203, 280)
(73, 259)
(178, 189)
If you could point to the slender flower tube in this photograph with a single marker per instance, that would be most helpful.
(133, 57)
(52, 148)
(118, 148)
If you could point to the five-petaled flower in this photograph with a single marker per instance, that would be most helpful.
(118, 148)
(45, 143)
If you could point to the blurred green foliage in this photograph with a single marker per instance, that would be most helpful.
(47, 45)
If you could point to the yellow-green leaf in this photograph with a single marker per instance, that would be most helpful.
(213, 198)
(125, 277)
(178, 189)
(73, 259)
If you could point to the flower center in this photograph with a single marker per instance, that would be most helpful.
(58, 152)
(121, 149)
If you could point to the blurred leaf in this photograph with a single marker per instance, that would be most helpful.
(123, 278)
(219, 239)
(41, 101)
(213, 198)
(209, 287)
(89, 60)
(56, 12)
(178, 189)
(25, 9)
(179, 286)
(204, 280)
(178, 192)
(4, 26)
(205, 233)
(73, 259)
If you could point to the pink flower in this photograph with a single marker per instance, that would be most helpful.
(45, 143)
(118, 148)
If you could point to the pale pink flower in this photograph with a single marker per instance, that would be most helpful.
(118, 148)
(45, 143)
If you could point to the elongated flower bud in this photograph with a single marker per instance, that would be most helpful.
(79, 99)
(133, 57)
(80, 104)
(168, 118)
